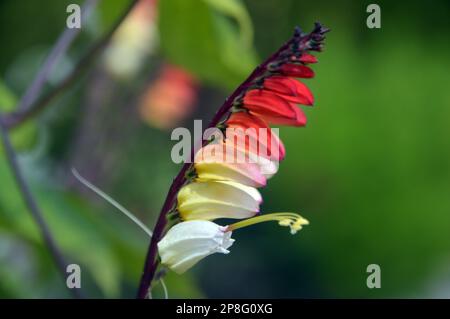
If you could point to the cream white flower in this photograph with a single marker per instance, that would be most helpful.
(188, 242)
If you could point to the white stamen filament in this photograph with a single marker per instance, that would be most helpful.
(108, 198)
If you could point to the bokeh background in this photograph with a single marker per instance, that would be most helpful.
(370, 171)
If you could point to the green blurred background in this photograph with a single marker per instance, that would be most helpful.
(370, 171)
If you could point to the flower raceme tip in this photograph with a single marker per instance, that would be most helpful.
(240, 154)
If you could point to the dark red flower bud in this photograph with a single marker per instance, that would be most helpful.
(304, 58)
(297, 70)
(308, 58)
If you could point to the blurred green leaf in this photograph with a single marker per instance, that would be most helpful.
(204, 41)
(181, 286)
(236, 10)
(23, 137)
(70, 222)
(110, 11)
(7, 98)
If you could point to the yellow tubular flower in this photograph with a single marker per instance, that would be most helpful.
(218, 199)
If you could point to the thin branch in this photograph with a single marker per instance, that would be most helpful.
(32, 206)
(59, 49)
(17, 117)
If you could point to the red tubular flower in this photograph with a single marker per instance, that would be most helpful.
(297, 118)
(272, 107)
(289, 89)
(305, 58)
(298, 71)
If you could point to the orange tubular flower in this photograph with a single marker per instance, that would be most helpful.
(218, 184)
(255, 128)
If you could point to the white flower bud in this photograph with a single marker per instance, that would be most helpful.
(188, 242)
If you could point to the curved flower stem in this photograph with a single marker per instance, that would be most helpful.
(151, 261)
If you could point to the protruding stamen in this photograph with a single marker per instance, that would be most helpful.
(292, 220)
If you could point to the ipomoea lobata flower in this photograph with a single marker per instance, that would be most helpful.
(188, 242)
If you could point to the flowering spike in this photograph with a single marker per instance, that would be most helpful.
(223, 190)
